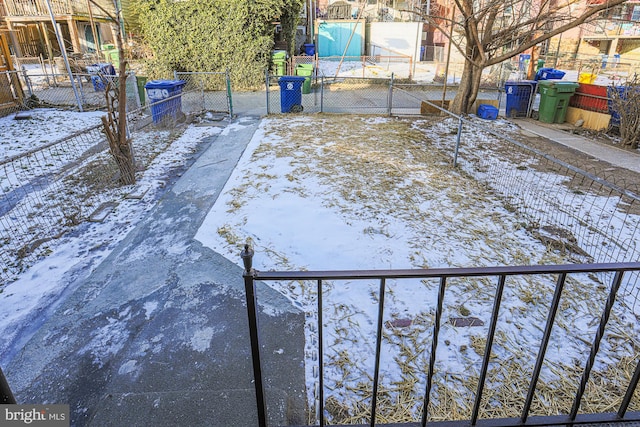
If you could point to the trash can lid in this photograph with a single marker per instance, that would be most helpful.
(291, 79)
(521, 83)
(164, 84)
(566, 86)
(548, 82)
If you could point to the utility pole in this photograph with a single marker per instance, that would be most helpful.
(64, 54)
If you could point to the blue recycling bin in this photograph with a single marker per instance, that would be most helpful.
(157, 90)
(622, 94)
(519, 97)
(98, 69)
(291, 93)
(523, 61)
(310, 49)
(549, 74)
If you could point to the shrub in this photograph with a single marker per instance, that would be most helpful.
(213, 35)
(625, 107)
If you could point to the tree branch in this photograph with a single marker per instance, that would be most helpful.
(546, 36)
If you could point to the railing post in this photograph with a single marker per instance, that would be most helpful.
(320, 358)
(630, 390)
(229, 93)
(553, 310)
(434, 345)
(487, 349)
(615, 285)
(250, 294)
(376, 371)
(455, 155)
(6, 397)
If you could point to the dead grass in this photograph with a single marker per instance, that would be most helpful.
(375, 170)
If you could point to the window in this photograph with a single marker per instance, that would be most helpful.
(635, 14)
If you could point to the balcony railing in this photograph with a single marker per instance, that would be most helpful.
(563, 273)
(38, 8)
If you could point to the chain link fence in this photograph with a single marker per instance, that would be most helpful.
(46, 191)
(356, 95)
(11, 94)
(57, 90)
(378, 65)
(206, 91)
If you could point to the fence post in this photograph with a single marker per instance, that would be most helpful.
(322, 94)
(27, 81)
(390, 96)
(229, 94)
(6, 397)
(250, 295)
(455, 155)
(266, 83)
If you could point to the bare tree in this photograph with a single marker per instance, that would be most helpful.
(115, 123)
(488, 32)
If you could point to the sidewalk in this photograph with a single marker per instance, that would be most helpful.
(616, 156)
(158, 334)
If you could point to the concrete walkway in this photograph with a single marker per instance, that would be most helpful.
(616, 156)
(158, 334)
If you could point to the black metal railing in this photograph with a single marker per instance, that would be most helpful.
(6, 396)
(622, 415)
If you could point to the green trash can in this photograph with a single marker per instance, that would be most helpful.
(305, 70)
(111, 54)
(554, 100)
(279, 59)
(141, 81)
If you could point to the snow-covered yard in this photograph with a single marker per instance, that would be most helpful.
(65, 261)
(358, 192)
(363, 192)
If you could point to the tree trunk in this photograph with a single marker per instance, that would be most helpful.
(468, 89)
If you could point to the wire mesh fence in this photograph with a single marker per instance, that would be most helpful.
(49, 189)
(589, 218)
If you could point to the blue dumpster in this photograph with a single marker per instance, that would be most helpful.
(519, 95)
(291, 93)
(157, 90)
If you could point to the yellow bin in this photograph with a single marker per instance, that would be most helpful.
(587, 78)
